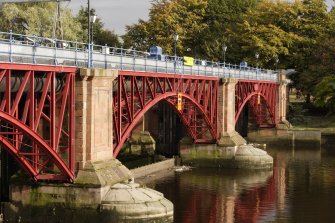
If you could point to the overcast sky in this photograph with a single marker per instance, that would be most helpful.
(116, 14)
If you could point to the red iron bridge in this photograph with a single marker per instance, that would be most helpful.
(48, 104)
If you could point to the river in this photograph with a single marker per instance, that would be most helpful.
(300, 188)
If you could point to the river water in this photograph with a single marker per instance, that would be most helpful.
(300, 188)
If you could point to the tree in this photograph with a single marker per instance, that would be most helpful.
(166, 18)
(221, 19)
(101, 36)
(325, 93)
(266, 30)
(308, 56)
(137, 36)
(37, 19)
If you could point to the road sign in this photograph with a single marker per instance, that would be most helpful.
(180, 102)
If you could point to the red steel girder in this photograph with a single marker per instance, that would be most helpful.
(136, 92)
(37, 119)
(261, 96)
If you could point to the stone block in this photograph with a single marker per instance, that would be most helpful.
(103, 173)
(135, 149)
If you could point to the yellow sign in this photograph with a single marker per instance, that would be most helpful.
(188, 61)
(259, 99)
(180, 102)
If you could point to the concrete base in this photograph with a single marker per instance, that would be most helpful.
(237, 157)
(249, 157)
(231, 139)
(132, 202)
(94, 189)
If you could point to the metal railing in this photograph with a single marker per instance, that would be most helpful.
(17, 48)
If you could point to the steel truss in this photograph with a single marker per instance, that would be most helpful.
(136, 92)
(37, 119)
(262, 99)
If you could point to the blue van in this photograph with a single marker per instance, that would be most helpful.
(156, 53)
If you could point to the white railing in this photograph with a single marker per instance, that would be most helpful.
(16, 48)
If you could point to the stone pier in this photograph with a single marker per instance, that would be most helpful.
(282, 101)
(226, 114)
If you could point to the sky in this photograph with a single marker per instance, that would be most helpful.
(116, 14)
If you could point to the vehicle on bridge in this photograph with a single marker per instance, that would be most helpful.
(156, 53)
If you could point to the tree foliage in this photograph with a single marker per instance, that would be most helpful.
(325, 93)
(37, 19)
(298, 35)
(166, 18)
(101, 36)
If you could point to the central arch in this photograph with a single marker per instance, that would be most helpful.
(138, 92)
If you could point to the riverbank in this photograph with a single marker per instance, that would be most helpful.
(306, 117)
(324, 124)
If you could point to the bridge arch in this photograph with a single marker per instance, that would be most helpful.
(137, 92)
(262, 98)
(23, 158)
(37, 119)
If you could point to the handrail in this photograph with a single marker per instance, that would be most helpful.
(34, 49)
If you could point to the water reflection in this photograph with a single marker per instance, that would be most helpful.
(210, 195)
(301, 188)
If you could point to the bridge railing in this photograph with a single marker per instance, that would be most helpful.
(19, 48)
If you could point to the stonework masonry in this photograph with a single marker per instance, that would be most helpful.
(282, 102)
(93, 116)
(226, 114)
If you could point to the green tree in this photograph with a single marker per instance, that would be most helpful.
(101, 36)
(37, 19)
(221, 19)
(325, 93)
(137, 36)
(166, 18)
(309, 56)
(266, 30)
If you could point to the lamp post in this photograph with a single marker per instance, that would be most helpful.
(257, 56)
(277, 61)
(224, 49)
(175, 38)
(89, 63)
(91, 19)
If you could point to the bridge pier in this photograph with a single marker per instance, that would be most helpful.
(94, 129)
(282, 102)
(226, 114)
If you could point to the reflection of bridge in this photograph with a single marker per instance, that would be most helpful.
(55, 117)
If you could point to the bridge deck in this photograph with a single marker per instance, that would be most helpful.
(15, 48)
